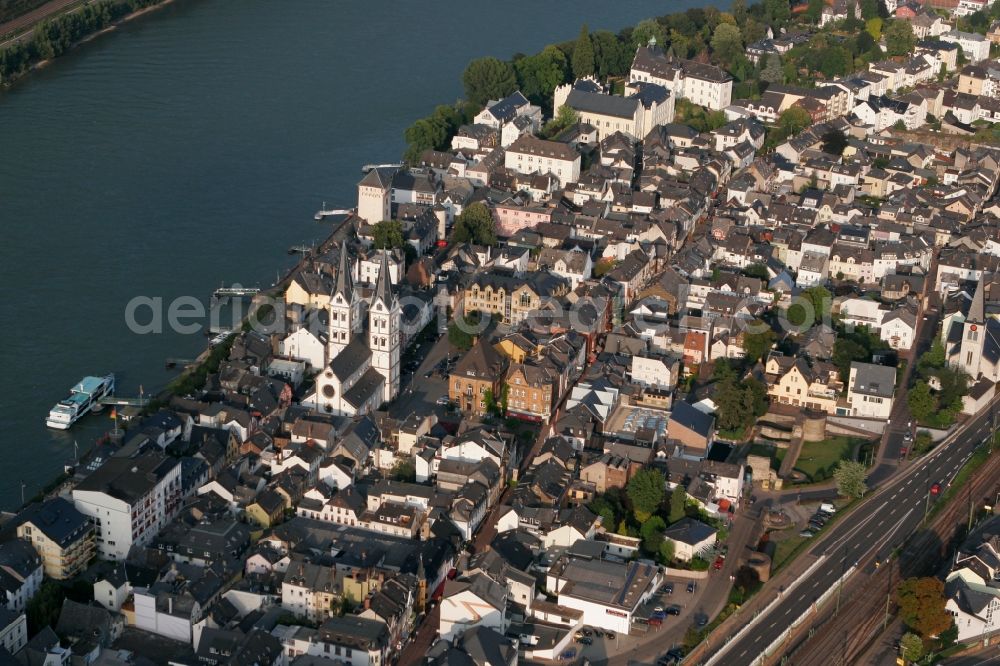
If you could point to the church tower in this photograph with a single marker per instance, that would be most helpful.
(385, 330)
(344, 308)
(974, 334)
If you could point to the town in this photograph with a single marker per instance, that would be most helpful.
(632, 367)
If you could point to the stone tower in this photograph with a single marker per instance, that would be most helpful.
(385, 330)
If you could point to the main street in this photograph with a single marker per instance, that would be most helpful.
(871, 533)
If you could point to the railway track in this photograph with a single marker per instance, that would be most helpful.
(842, 631)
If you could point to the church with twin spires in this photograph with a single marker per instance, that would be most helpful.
(363, 346)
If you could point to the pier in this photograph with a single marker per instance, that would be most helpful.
(123, 402)
(370, 167)
(235, 290)
(325, 212)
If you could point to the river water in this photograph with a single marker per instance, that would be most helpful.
(191, 147)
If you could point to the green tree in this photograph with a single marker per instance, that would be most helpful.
(757, 344)
(773, 71)
(911, 647)
(488, 78)
(565, 116)
(834, 142)
(873, 27)
(870, 9)
(388, 234)
(645, 491)
(652, 534)
(777, 12)
(899, 38)
(583, 54)
(814, 11)
(678, 503)
(647, 30)
(793, 120)
(921, 606)
(475, 224)
(667, 551)
(727, 43)
(739, 11)
(540, 74)
(43, 609)
(612, 56)
(850, 478)
(866, 44)
(921, 401)
(461, 331)
(404, 470)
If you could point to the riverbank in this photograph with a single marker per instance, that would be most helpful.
(53, 34)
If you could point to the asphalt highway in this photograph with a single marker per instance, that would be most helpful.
(871, 533)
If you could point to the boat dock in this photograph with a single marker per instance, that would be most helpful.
(235, 290)
(371, 167)
(325, 212)
(123, 402)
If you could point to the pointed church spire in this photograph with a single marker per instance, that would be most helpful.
(383, 285)
(977, 311)
(345, 285)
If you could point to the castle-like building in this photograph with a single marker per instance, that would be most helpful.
(363, 368)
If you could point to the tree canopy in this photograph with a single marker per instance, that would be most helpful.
(922, 606)
(583, 54)
(475, 225)
(645, 491)
(793, 120)
(834, 142)
(850, 478)
(738, 403)
(388, 234)
(539, 75)
(727, 43)
(899, 38)
(488, 78)
(646, 30)
(678, 503)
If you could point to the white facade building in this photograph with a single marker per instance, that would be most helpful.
(130, 500)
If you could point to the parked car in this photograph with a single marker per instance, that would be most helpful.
(701, 619)
(719, 561)
(568, 654)
(673, 609)
(669, 588)
(691, 587)
(806, 533)
(443, 400)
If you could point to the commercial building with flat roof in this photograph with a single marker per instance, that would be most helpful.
(608, 593)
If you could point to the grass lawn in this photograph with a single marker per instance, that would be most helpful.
(822, 457)
(768, 451)
(786, 548)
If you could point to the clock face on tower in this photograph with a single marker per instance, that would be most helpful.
(329, 391)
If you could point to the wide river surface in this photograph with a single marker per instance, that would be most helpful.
(191, 147)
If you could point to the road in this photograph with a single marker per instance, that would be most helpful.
(982, 658)
(877, 527)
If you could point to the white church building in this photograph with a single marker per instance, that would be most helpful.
(974, 345)
(363, 368)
